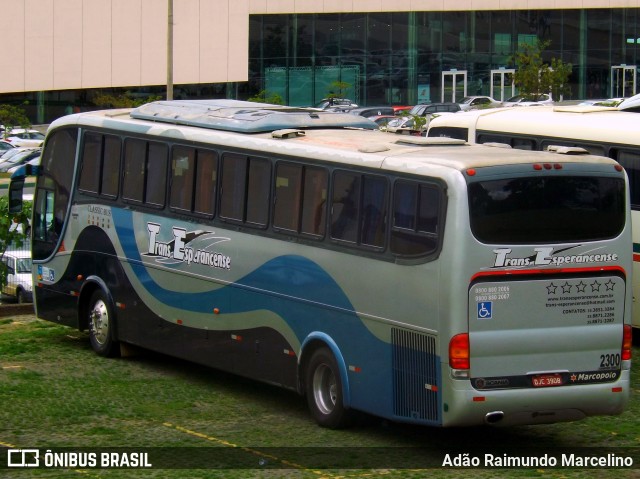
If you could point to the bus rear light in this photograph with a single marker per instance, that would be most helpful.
(537, 167)
(616, 390)
(618, 168)
(557, 166)
(627, 341)
(459, 351)
(547, 166)
(471, 172)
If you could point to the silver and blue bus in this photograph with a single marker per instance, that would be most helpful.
(429, 282)
(599, 130)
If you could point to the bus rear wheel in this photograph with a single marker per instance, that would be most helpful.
(324, 391)
(100, 320)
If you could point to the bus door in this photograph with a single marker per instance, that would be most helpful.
(623, 81)
(503, 84)
(454, 85)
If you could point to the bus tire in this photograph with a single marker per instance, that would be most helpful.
(324, 391)
(101, 320)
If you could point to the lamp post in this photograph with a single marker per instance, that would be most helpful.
(170, 50)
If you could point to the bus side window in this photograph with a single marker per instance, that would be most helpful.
(286, 212)
(100, 164)
(91, 163)
(416, 215)
(344, 206)
(359, 209)
(206, 178)
(373, 223)
(183, 167)
(111, 166)
(301, 196)
(630, 160)
(232, 193)
(245, 193)
(135, 154)
(314, 201)
(156, 169)
(258, 194)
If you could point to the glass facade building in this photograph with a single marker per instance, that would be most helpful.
(410, 57)
(402, 58)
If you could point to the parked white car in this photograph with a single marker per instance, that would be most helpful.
(532, 100)
(19, 285)
(21, 137)
(478, 102)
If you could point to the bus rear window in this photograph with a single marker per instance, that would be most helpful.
(547, 209)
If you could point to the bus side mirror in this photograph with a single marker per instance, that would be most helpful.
(15, 195)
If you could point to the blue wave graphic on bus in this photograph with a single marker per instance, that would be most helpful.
(306, 297)
(288, 276)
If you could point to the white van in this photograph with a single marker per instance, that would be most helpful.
(19, 286)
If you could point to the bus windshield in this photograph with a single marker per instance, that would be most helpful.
(547, 210)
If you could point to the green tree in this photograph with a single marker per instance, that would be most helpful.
(338, 89)
(12, 236)
(125, 100)
(534, 77)
(419, 122)
(264, 96)
(11, 116)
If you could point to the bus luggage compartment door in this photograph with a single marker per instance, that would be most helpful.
(546, 331)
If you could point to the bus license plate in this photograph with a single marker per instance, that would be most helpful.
(546, 380)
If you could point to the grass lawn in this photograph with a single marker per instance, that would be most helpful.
(56, 393)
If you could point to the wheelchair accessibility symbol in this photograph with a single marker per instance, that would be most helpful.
(485, 310)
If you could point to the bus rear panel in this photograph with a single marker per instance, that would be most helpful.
(547, 308)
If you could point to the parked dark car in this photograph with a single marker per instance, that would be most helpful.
(424, 109)
(382, 120)
(370, 111)
(332, 103)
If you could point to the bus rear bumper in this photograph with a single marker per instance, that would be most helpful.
(466, 406)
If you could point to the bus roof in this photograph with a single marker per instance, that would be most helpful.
(244, 116)
(579, 122)
(346, 145)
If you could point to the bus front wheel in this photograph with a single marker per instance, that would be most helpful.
(324, 390)
(101, 319)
